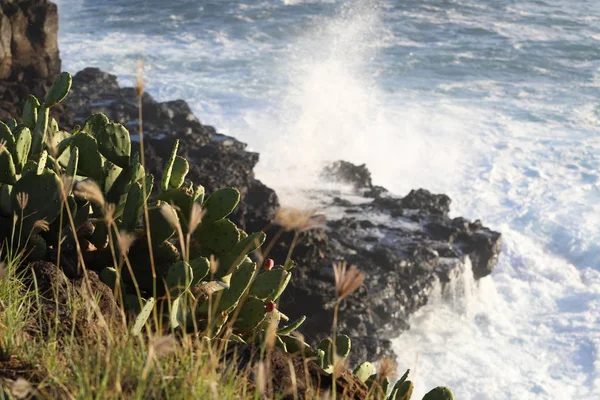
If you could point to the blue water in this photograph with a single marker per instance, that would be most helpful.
(494, 102)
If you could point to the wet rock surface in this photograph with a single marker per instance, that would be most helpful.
(408, 247)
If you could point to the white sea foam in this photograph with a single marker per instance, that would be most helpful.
(504, 121)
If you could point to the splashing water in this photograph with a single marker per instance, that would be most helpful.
(490, 101)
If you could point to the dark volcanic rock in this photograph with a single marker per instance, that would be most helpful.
(406, 246)
(216, 160)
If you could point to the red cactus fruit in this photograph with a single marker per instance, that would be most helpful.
(269, 264)
(271, 306)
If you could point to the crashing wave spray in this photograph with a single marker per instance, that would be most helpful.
(333, 108)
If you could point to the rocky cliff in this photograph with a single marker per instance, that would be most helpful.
(408, 246)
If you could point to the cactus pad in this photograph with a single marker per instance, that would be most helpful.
(114, 144)
(240, 280)
(269, 285)
(439, 393)
(179, 278)
(178, 172)
(59, 90)
(252, 312)
(219, 236)
(168, 169)
(8, 174)
(220, 204)
(30, 111)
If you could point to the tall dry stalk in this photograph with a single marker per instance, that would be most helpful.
(139, 88)
(347, 280)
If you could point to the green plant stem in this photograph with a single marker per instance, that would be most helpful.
(333, 345)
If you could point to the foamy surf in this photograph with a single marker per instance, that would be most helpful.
(491, 102)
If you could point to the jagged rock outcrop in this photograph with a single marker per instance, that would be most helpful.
(29, 56)
(407, 246)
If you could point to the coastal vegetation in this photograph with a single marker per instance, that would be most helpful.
(114, 285)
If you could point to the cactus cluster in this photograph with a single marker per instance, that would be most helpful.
(30, 188)
(186, 260)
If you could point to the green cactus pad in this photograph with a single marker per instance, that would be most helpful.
(220, 204)
(168, 168)
(402, 390)
(30, 111)
(114, 144)
(403, 377)
(8, 174)
(142, 317)
(343, 344)
(200, 267)
(12, 124)
(36, 248)
(179, 278)
(22, 147)
(165, 254)
(109, 277)
(111, 173)
(53, 128)
(44, 197)
(59, 90)
(38, 138)
(269, 285)
(120, 187)
(73, 161)
(133, 208)
(94, 123)
(219, 236)
(199, 194)
(90, 163)
(364, 371)
(227, 262)
(160, 228)
(42, 161)
(217, 324)
(178, 172)
(183, 200)
(378, 384)
(294, 345)
(6, 209)
(326, 345)
(240, 280)
(439, 393)
(286, 330)
(82, 214)
(147, 181)
(320, 356)
(249, 244)
(252, 312)
(6, 135)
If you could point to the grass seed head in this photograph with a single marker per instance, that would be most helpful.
(292, 218)
(347, 280)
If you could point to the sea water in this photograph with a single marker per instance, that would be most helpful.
(493, 102)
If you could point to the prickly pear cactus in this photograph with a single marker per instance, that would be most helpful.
(220, 204)
(364, 371)
(439, 393)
